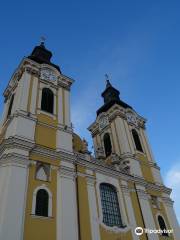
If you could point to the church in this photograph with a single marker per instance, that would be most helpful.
(53, 188)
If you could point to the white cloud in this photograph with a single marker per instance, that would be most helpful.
(172, 180)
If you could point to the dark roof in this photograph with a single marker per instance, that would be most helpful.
(41, 55)
(111, 97)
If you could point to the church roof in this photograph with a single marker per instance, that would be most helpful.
(111, 97)
(42, 55)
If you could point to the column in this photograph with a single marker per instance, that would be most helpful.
(25, 81)
(34, 95)
(67, 108)
(122, 137)
(13, 189)
(67, 226)
(93, 208)
(168, 204)
(60, 106)
(146, 211)
(130, 211)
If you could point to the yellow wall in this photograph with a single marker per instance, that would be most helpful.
(38, 228)
(85, 227)
(137, 211)
(45, 136)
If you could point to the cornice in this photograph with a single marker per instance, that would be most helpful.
(14, 159)
(99, 166)
(14, 142)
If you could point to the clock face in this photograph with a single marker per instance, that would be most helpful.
(103, 122)
(48, 74)
(131, 119)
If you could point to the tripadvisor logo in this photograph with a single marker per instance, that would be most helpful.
(138, 231)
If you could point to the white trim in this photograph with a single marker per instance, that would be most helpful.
(34, 200)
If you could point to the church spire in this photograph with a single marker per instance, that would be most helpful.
(41, 54)
(110, 93)
(111, 97)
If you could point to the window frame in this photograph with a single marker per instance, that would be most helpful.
(47, 89)
(160, 215)
(33, 211)
(10, 105)
(136, 149)
(106, 199)
(115, 183)
(39, 110)
(107, 133)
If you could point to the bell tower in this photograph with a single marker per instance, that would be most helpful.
(36, 118)
(119, 131)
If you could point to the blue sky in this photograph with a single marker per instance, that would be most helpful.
(136, 42)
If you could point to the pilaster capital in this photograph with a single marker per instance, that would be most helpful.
(66, 172)
(167, 201)
(142, 194)
(90, 180)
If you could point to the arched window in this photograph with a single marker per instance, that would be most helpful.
(137, 140)
(42, 202)
(10, 105)
(107, 144)
(47, 101)
(162, 225)
(110, 205)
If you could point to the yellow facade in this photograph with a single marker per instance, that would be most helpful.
(70, 173)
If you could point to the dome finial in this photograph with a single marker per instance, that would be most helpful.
(108, 84)
(42, 41)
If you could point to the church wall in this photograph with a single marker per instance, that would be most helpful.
(45, 136)
(37, 227)
(137, 210)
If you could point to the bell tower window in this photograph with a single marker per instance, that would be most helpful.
(162, 225)
(47, 101)
(137, 140)
(107, 144)
(10, 106)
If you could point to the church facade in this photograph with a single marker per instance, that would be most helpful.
(52, 188)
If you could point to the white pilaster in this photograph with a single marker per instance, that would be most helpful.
(13, 188)
(64, 141)
(4, 115)
(34, 95)
(130, 211)
(67, 108)
(60, 106)
(146, 145)
(168, 204)
(26, 78)
(114, 136)
(67, 227)
(122, 137)
(146, 211)
(93, 208)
